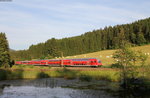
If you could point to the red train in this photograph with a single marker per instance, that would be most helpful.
(93, 62)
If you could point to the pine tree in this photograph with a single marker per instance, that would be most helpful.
(4, 51)
(133, 38)
(140, 39)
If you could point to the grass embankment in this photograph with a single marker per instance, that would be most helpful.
(84, 74)
(33, 72)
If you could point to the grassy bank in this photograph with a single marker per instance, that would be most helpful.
(33, 72)
(85, 74)
(112, 75)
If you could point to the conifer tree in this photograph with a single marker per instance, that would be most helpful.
(140, 39)
(4, 51)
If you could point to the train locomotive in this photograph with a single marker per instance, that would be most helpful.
(92, 62)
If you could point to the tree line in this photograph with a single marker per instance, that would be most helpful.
(5, 61)
(137, 33)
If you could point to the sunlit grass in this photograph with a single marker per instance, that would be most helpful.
(30, 67)
(102, 75)
(87, 75)
(106, 55)
(60, 72)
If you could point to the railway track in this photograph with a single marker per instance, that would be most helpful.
(85, 68)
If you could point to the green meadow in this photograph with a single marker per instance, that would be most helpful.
(106, 55)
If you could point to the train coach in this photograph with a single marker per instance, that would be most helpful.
(93, 62)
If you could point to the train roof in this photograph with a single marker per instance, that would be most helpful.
(78, 59)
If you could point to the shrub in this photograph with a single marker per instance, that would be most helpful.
(140, 84)
(66, 73)
(116, 65)
(85, 78)
(3, 74)
(42, 75)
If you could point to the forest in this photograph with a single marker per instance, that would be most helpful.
(137, 33)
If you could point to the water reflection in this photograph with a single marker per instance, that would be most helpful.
(58, 88)
(48, 88)
(58, 92)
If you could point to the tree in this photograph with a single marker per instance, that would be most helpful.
(129, 59)
(52, 48)
(133, 38)
(4, 51)
(140, 39)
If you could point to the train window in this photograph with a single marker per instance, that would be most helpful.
(99, 61)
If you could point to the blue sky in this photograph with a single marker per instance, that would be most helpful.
(28, 22)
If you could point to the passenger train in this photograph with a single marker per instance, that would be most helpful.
(92, 62)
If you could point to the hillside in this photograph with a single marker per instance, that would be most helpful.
(106, 55)
(137, 33)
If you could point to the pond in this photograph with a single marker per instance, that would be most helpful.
(58, 88)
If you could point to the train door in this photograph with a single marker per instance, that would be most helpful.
(66, 62)
(93, 62)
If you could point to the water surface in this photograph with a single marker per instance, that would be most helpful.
(60, 88)
(50, 88)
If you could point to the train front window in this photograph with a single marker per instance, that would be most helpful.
(99, 61)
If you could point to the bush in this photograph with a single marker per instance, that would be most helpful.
(85, 78)
(140, 84)
(116, 65)
(67, 74)
(3, 74)
(42, 75)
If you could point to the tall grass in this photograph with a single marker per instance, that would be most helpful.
(66, 73)
(30, 67)
(27, 72)
(102, 75)
(62, 72)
